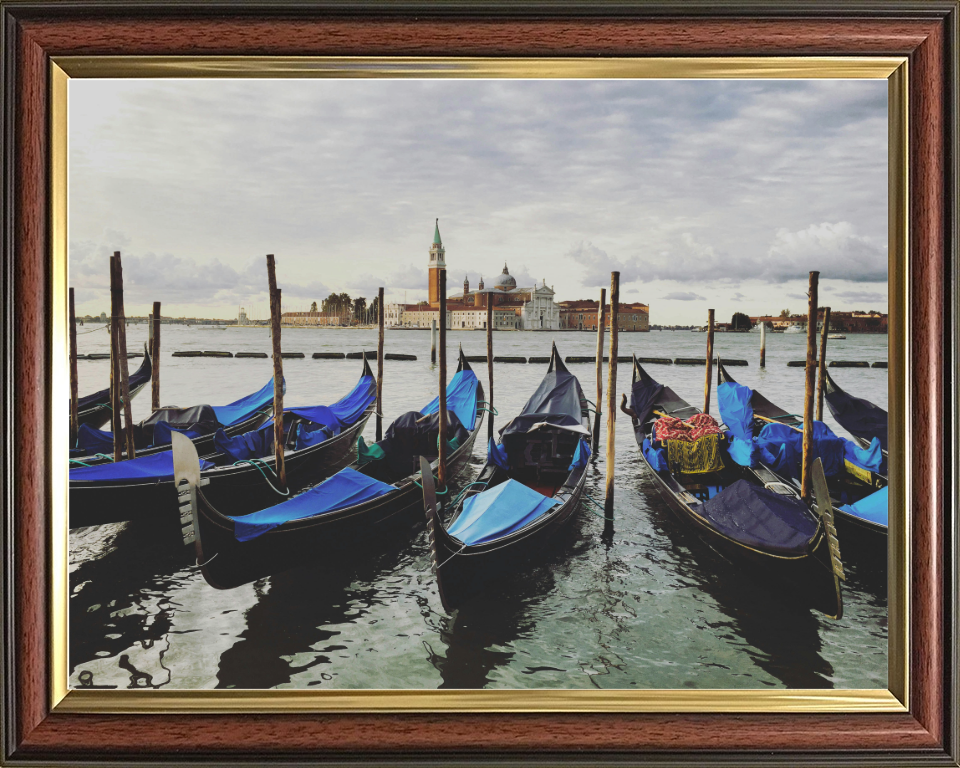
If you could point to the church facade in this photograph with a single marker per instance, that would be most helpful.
(514, 307)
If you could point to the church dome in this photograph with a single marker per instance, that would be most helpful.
(506, 282)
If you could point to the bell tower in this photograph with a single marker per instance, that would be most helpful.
(437, 253)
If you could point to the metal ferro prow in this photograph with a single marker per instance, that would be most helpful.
(186, 473)
(821, 496)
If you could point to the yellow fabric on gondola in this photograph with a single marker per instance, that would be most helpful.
(694, 458)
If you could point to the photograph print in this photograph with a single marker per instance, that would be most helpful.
(478, 384)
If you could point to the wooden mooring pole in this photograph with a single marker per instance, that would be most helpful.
(763, 344)
(122, 357)
(822, 367)
(490, 365)
(74, 426)
(808, 393)
(275, 316)
(708, 382)
(380, 366)
(612, 391)
(433, 341)
(596, 416)
(155, 359)
(116, 425)
(442, 448)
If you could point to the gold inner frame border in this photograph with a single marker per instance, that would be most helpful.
(893, 699)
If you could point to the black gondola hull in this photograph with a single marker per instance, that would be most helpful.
(809, 578)
(227, 563)
(242, 486)
(465, 572)
(95, 412)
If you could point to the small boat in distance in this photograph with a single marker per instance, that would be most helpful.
(837, 336)
(795, 329)
(528, 489)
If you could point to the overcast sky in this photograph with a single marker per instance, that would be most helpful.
(721, 194)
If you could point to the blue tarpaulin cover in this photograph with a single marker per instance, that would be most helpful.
(461, 398)
(344, 489)
(250, 445)
(580, 456)
(92, 440)
(162, 430)
(760, 518)
(245, 407)
(826, 445)
(872, 507)
(870, 457)
(497, 454)
(156, 466)
(495, 513)
(306, 436)
(734, 402)
(657, 457)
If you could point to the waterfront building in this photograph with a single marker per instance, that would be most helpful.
(581, 315)
(514, 307)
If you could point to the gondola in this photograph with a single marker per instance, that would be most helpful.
(528, 490)
(241, 473)
(857, 486)
(200, 423)
(342, 518)
(94, 410)
(859, 417)
(747, 515)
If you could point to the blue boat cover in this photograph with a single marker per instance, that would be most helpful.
(500, 511)
(349, 409)
(656, 457)
(497, 454)
(762, 519)
(873, 507)
(255, 444)
(461, 399)
(245, 407)
(644, 395)
(162, 430)
(306, 436)
(858, 416)
(743, 452)
(869, 458)
(826, 445)
(735, 409)
(91, 440)
(344, 489)
(321, 415)
(555, 402)
(156, 466)
(580, 456)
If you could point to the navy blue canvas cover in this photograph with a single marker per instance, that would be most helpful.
(556, 402)
(858, 416)
(345, 489)
(760, 518)
(153, 467)
(255, 444)
(461, 398)
(645, 395)
(91, 440)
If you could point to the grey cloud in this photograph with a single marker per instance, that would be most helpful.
(683, 296)
(862, 297)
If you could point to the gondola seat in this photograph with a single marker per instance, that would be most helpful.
(759, 517)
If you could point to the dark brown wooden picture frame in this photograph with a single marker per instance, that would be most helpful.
(924, 32)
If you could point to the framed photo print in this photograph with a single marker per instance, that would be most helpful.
(669, 477)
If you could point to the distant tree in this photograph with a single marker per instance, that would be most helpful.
(331, 304)
(784, 313)
(359, 306)
(740, 322)
(375, 310)
(313, 306)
